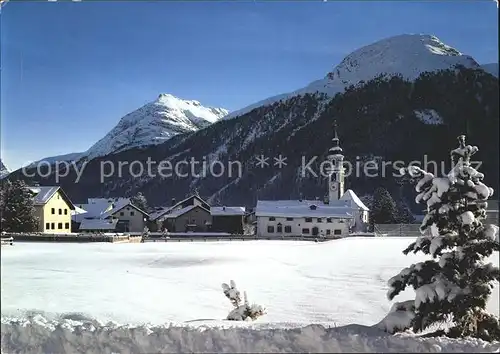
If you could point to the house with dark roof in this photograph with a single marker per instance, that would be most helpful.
(111, 215)
(190, 214)
(53, 209)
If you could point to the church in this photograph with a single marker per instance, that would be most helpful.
(341, 213)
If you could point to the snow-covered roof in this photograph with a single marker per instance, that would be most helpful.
(178, 212)
(98, 224)
(305, 208)
(44, 193)
(122, 203)
(350, 195)
(166, 210)
(78, 211)
(218, 211)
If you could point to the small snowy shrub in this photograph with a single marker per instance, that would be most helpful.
(457, 281)
(241, 312)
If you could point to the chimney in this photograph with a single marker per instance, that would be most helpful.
(173, 202)
(300, 197)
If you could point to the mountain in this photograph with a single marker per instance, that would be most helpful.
(4, 171)
(407, 55)
(491, 68)
(155, 123)
(152, 124)
(75, 156)
(396, 118)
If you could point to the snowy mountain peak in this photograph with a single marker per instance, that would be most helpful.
(408, 55)
(155, 123)
(4, 171)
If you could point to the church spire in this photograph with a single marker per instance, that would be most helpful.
(335, 149)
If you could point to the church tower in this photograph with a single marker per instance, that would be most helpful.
(336, 172)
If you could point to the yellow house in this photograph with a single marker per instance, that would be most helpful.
(53, 209)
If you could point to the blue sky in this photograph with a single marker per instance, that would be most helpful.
(70, 71)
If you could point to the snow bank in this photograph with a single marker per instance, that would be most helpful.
(36, 335)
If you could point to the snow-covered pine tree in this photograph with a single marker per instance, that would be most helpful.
(140, 201)
(456, 283)
(16, 207)
(383, 208)
(241, 312)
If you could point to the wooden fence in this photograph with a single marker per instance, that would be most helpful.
(397, 230)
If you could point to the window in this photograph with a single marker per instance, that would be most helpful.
(288, 229)
(305, 231)
(279, 228)
(47, 226)
(328, 219)
(309, 219)
(272, 218)
(65, 211)
(270, 229)
(122, 213)
(60, 211)
(66, 225)
(337, 232)
(132, 213)
(289, 219)
(53, 226)
(59, 225)
(320, 220)
(53, 210)
(328, 232)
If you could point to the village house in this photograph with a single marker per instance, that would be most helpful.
(190, 214)
(337, 215)
(53, 209)
(110, 215)
(194, 214)
(228, 219)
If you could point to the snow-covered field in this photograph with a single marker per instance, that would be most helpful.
(336, 283)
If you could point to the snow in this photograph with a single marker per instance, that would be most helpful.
(429, 116)
(218, 211)
(4, 171)
(407, 55)
(154, 123)
(350, 195)
(151, 124)
(398, 318)
(467, 218)
(167, 284)
(74, 156)
(305, 208)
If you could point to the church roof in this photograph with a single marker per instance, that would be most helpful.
(304, 208)
(350, 195)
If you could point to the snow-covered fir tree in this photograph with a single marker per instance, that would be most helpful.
(16, 207)
(456, 283)
(140, 201)
(241, 312)
(383, 208)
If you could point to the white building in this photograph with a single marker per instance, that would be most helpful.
(340, 214)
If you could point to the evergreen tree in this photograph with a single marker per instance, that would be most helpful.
(456, 283)
(16, 208)
(383, 209)
(140, 201)
(404, 214)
